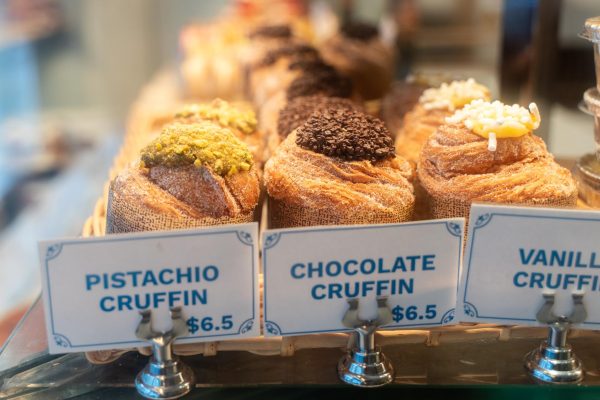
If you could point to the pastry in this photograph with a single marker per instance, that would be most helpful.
(275, 34)
(268, 36)
(339, 167)
(358, 52)
(211, 65)
(261, 40)
(487, 152)
(401, 99)
(434, 106)
(265, 38)
(404, 95)
(318, 77)
(277, 69)
(238, 117)
(297, 111)
(192, 175)
(315, 79)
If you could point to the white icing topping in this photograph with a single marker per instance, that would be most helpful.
(503, 121)
(453, 95)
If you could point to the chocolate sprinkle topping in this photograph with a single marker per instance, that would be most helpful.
(325, 81)
(349, 135)
(298, 111)
(297, 51)
(359, 31)
(271, 31)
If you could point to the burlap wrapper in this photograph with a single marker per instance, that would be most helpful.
(456, 168)
(447, 207)
(307, 188)
(123, 216)
(286, 215)
(422, 208)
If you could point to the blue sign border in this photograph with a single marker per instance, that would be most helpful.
(53, 251)
(482, 221)
(272, 238)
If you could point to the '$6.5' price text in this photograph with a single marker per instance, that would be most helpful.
(210, 324)
(412, 313)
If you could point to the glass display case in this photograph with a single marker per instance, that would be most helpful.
(158, 56)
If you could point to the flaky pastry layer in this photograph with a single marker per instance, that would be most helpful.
(456, 163)
(304, 178)
(417, 126)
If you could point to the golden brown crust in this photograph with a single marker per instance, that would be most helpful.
(183, 197)
(418, 125)
(267, 122)
(456, 164)
(353, 192)
(208, 193)
(244, 187)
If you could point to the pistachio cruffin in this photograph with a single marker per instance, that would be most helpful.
(203, 143)
(223, 113)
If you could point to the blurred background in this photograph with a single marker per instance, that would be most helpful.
(70, 70)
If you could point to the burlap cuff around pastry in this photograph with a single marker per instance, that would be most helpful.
(422, 209)
(285, 215)
(446, 207)
(124, 215)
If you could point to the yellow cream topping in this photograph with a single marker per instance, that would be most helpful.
(500, 120)
(453, 95)
(222, 113)
(200, 144)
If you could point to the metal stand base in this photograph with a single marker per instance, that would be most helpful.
(555, 365)
(165, 381)
(165, 376)
(365, 365)
(365, 369)
(554, 362)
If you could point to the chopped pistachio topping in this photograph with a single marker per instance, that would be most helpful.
(200, 144)
(453, 95)
(222, 113)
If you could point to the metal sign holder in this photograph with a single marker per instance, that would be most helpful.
(165, 376)
(365, 365)
(554, 361)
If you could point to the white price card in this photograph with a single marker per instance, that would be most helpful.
(310, 273)
(94, 288)
(514, 255)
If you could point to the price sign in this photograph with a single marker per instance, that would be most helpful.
(413, 313)
(514, 255)
(94, 288)
(314, 271)
(209, 324)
